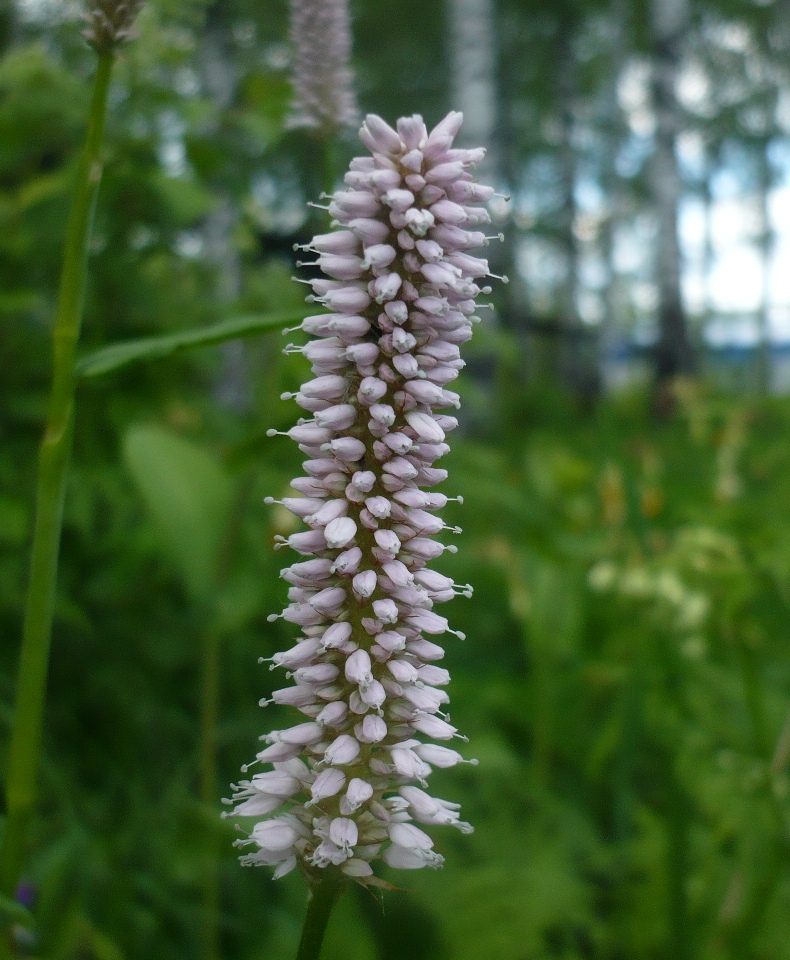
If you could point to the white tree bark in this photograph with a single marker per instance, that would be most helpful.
(613, 136)
(765, 241)
(565, 92)
(473, 74)
(674, 353)
(474, 59)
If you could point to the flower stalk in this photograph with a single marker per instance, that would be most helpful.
(55, 453)
(322, 898)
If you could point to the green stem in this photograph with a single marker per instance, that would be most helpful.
(330, 164)
(209, 707)
(54, 458)
(678, 867)
(321, 899)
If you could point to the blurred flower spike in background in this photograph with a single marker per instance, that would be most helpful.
(110, 22)
(323, 79)
(348, 785)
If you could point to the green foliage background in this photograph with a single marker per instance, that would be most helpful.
(625, 682)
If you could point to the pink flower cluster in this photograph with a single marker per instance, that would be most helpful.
(348, 783)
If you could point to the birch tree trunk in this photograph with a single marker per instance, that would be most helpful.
(474, 87)
(765, 241)
(614, 131)
(708, 251)
(473, 91)
(473, 76)
(565, 87)
(574, 362)
(509, 257)
(674, 354)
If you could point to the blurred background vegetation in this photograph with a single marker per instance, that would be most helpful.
(624, 463)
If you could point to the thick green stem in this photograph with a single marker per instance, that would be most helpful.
(321, 899)
(52, 472)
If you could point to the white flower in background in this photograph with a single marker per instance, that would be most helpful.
(323, 80)
(348, 783)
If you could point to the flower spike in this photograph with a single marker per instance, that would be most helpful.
(347, 784)
(109, 23)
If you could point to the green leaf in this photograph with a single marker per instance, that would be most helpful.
(189, 495)
(148, 348)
